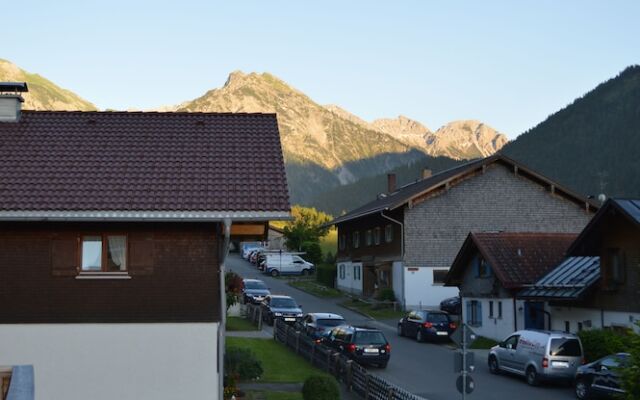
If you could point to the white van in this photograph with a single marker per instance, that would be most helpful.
(538, 355)
(287, 264)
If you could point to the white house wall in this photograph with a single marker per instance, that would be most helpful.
(397, 277)
(496, 328)
(420, 290)
(590, 318)
(348, 282)
(116, 361)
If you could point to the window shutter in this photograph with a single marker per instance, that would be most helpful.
(469, 319)
(479, 322)
(141, 256)
(63, 257)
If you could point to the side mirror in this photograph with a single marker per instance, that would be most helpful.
(602, 368)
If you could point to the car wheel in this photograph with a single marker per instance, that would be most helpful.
(582, 389)
(400, 330)
(532, 376)
(274, 273)
(305, 272)
(493, 365)
(420, 336)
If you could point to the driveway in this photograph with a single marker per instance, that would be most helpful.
(422, 368)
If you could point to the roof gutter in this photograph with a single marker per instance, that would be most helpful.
(139, 216)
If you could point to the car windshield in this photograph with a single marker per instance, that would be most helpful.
(254, 285)
(437, 318)
(283, 303)
(565, 347)
(370, 338)
(330, 322)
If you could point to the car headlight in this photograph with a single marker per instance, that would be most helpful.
(278, 314)
(299, 315)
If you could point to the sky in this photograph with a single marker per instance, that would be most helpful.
(509, 64)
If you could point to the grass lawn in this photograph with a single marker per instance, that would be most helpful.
(280, 364)
(240, 324)
(377, 313)
(482, 342)
(316, 289)
(259, 395)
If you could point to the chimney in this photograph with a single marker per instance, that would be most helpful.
(391, 183)
(11, 101)
(426, 173)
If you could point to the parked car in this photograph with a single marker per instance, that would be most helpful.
(247, 247)
(284, 308)
(538, 355)
(363, 345)
(287, 264)
(254, 291)
(452, 305)
(601, 378)
(318, 325)
(426, 325)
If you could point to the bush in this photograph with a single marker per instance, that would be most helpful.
(320, 387)
(330, 258)
(313, 252)
(241, 363)
(386, 295)
(233, 288)
(326, 275)
(631, 374)
(598, 343)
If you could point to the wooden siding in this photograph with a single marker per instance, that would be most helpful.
(375, 253)
(174, 272)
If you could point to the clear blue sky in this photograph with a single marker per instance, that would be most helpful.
(507, 63)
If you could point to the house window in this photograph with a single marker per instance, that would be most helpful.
(356, 272)
(104, 253)
(376, 236)
(439, 276)
(368, 237)
(388, 233)
(356, 239)
(341, 271)
(616, 267)
(474, 313)
(500, 309)
(342, 242)
(483, 270)
(567, 326)
(490, 309)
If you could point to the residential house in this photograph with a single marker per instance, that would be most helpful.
(599, 284)
(407, 238)
(492, 267)
(113, 231)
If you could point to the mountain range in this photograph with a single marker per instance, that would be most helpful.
(337, 161)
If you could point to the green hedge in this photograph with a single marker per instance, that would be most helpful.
(598, 343)
(326, 274)
(320, 388)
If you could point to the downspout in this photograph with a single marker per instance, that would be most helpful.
(223, 304)
(401, 252)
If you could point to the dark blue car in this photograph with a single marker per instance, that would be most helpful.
(319, 325)
(601, 378)
(423, 325)
(254, 291)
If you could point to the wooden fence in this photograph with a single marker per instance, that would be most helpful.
(357, 379)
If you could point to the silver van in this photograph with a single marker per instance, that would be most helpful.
(538, 355)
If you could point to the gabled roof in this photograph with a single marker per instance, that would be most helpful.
(517, 259)
(568, 281)
(628, 208)
(450, 177)
(142, 165)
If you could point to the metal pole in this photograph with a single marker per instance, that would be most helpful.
(464, 361)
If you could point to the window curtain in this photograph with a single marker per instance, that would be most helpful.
(118, 251)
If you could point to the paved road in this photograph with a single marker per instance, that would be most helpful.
(422, 368)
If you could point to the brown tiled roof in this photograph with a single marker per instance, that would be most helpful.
(131, 161)
(517, 259)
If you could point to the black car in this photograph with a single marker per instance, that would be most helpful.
(318, 325)
(452, 305)
(363, 345)
(426, 325)
(601, 378)
(254, 291)
(283, 308)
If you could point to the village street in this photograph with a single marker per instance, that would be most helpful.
(423, 368)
